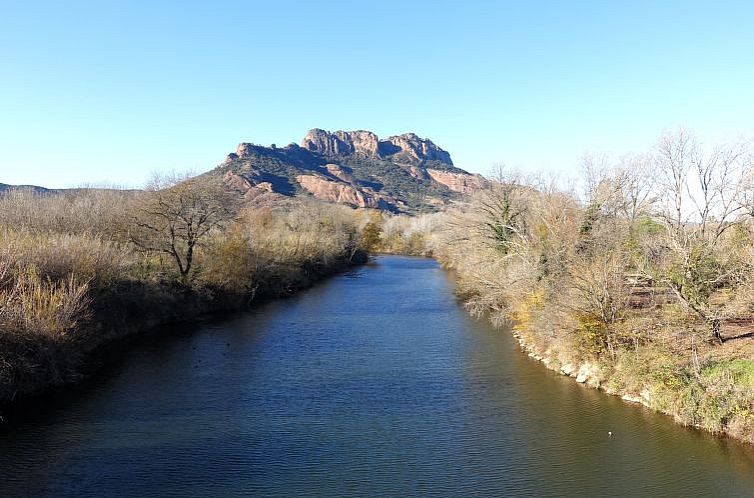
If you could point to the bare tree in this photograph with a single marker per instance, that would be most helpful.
(635, 186)
(704, 194)
(176, 214)
(673, 165)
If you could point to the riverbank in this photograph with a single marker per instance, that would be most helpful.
(698, 383)
(669, 398)
(712, 391)
(82, 270)
(129, 309)
(652, 313)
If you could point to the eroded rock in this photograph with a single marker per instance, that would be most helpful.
(342, 143)
(458, 182)
(342, 193)
(408, 148)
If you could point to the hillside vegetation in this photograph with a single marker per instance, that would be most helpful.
(80, 269)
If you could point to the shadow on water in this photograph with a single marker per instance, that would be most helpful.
(375, 383)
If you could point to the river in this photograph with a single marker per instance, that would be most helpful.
(376, 383)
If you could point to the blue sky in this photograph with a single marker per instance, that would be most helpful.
(108, 92)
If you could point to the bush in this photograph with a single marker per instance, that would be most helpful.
(32, 304)
(59, 255)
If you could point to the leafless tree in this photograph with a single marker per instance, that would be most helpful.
(177, 214)
(704, 194)
(635, 180)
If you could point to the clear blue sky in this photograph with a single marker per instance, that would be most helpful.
(109, 91)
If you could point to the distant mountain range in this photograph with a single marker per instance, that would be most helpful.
(403, 173)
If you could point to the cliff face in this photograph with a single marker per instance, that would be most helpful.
(340, 193)
(411, 149)
(403, 149)
(462, 183)
(403, 173)
(342, 143)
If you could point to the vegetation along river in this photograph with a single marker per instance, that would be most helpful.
(375, 383)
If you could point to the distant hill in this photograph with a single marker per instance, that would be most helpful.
(4, 187)
(403, 173)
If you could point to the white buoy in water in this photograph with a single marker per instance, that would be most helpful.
(610, 433)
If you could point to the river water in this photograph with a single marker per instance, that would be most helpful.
(375, 383)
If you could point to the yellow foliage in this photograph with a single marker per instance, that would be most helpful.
(591, 334)
(524, 311)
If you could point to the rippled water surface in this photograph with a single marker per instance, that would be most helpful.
(375, 383)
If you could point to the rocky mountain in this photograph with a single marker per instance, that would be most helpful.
(403, 173)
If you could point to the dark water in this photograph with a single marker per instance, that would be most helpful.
(373, 384)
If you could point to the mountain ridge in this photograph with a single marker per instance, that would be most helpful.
(403, 173)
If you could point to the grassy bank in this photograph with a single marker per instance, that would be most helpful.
(81, 269)
(641, 284)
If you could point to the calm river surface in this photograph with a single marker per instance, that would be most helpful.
(375, 383)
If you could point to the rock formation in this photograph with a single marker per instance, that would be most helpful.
(458, 182)
(342, 143)
(341, 193)
(414, 150)
(405, 149)
(403, 173)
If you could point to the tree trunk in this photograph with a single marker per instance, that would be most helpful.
(189, 259)
(715, 325)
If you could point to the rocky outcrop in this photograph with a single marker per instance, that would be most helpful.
(246, 184)
(244, 149)
(408, 148)
(588, 371)
(237, 182)
(411, 149)
(458, 182)
(341, 173)
(342, 143)
(331, 191)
